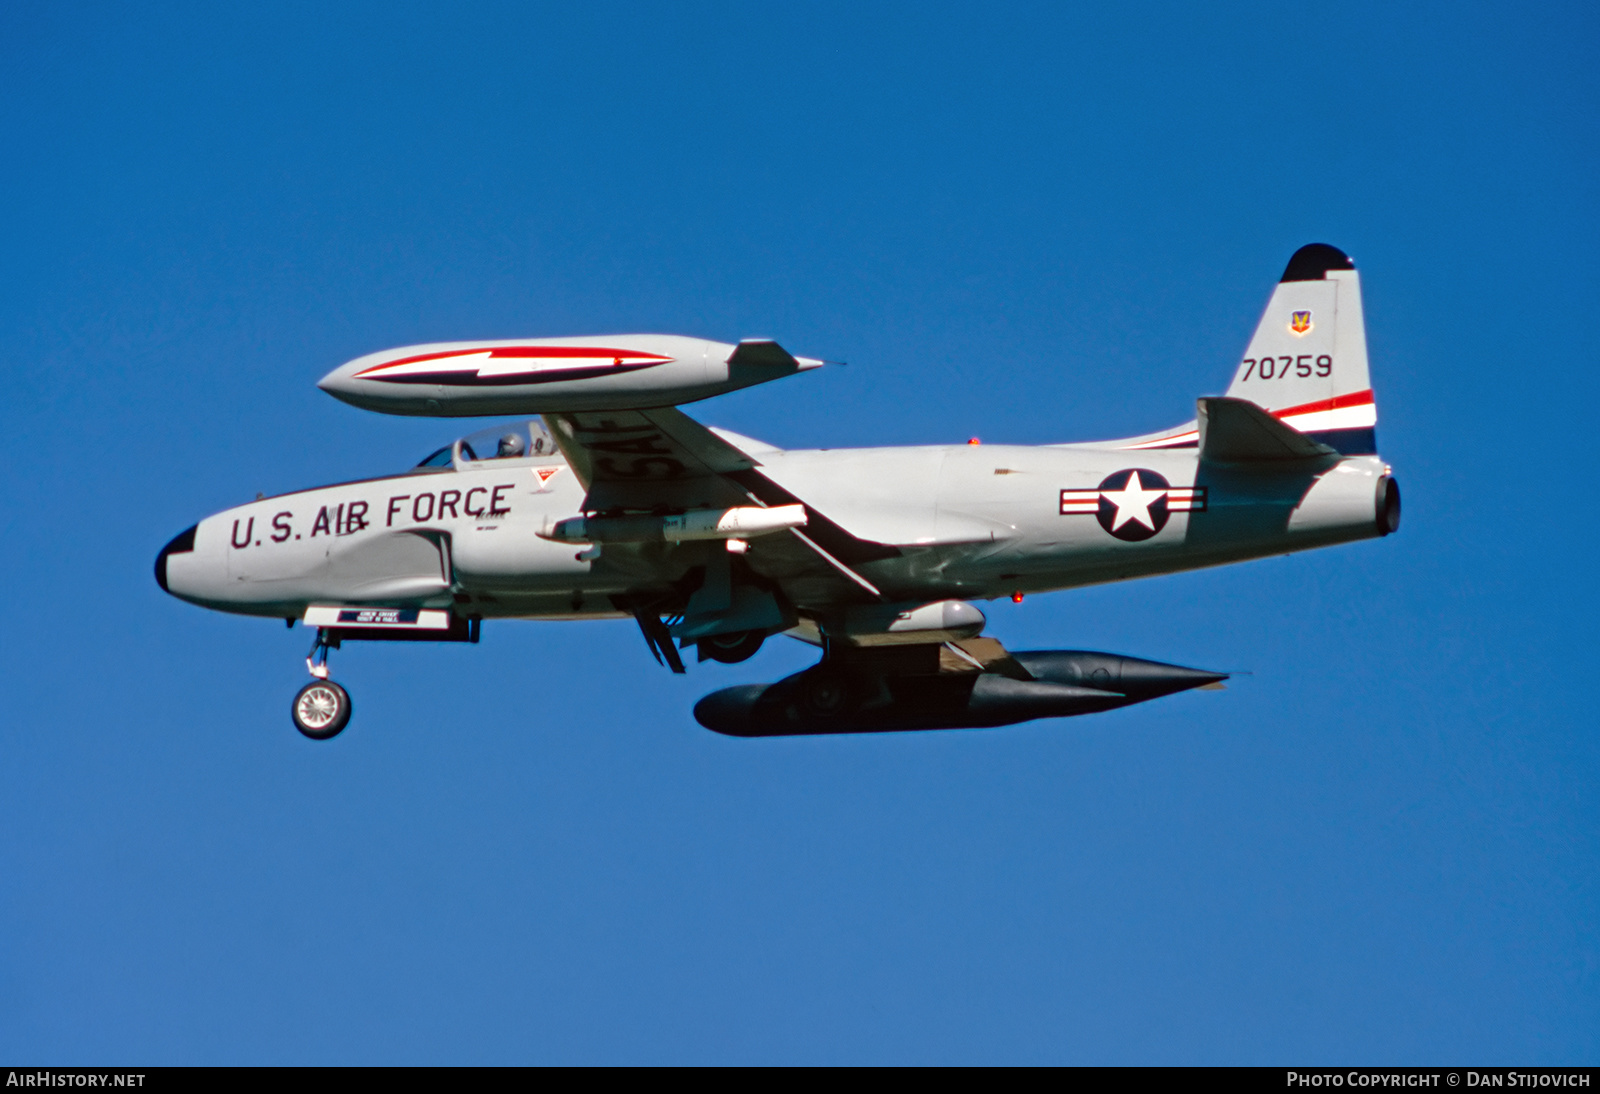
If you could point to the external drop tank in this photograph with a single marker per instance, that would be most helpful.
(964, 685)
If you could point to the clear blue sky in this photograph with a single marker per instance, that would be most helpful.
(1025, 223)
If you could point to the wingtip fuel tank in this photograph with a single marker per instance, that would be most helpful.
(545, 375)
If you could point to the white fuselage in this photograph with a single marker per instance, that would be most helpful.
(968, 521)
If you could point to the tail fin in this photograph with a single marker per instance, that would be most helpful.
(1307, 363)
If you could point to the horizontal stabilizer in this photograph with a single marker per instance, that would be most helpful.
(1239, 431)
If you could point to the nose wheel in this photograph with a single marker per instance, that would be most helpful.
(321, 709)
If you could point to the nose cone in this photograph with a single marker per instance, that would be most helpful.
(410, 380)
(1134, 677)
(181, 544)
(1143, 679)
(343, 384)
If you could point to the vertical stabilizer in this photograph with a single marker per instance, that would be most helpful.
(1307, 362)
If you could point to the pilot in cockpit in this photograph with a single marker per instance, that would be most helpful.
(510, 446)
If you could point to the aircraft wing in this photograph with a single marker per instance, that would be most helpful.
(661, 460)
(649, 460)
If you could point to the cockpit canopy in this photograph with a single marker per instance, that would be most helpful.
(508, 440)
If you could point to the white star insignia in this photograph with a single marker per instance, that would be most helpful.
(1133, 502)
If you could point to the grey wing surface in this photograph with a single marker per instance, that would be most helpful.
(663, 461)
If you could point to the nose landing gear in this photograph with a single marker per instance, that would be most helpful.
(321, 709)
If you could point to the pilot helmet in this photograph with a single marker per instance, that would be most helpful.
(511, 445)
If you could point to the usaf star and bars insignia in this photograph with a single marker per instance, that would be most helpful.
(1135, 504)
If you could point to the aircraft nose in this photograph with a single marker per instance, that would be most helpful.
(336, 383)
(342, 382)
(730, 711)
(345, 384)
(182, 543)
(1154, 678)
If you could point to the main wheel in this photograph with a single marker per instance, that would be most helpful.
(321, 710)
(826, 694)
(730, 649)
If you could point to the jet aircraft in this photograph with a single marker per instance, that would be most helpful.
(603, 500)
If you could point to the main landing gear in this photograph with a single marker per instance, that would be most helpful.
(730, 649)
(321, 709)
